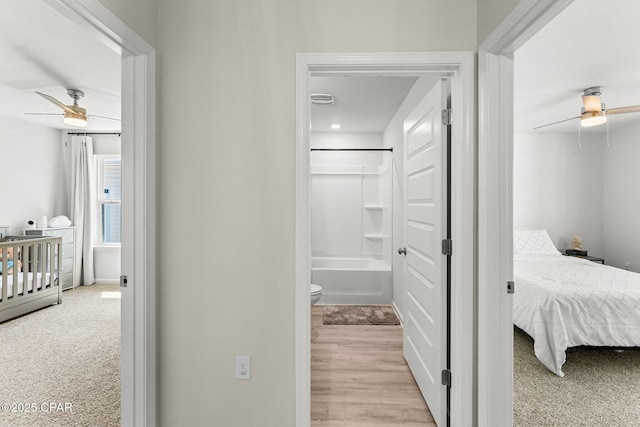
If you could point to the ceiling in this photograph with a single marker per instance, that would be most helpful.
(591, 43)
(43, 51)
(361, 103)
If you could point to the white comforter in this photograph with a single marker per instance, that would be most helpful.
(563, 302)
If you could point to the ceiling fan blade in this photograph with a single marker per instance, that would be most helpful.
(56, 102)
(103, 117)
(555, 123)
(622, 110)
(591, 103)
(44, 114)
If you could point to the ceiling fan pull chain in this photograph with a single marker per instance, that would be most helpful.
(608, 145)
(579, 135)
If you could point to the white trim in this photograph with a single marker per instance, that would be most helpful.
(495, 206)
(138, 318)
(460, 67)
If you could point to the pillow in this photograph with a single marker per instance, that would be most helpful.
(533, 241)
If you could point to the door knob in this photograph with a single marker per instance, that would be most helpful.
(402, 251)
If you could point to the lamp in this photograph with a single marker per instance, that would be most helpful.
(75, 119)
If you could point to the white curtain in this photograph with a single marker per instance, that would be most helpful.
(83, 204)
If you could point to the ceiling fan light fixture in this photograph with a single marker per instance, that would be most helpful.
(75, 119)
(593, 118)
(592, 103)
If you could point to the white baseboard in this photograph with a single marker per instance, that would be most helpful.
(395, 308)
(107, 282)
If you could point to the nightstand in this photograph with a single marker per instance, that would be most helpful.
(589, 258)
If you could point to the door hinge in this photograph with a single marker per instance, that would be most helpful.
(447, 247)
(446, 116)
(123, 281)
(446, 377)
(511, 287)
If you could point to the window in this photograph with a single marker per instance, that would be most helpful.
(109, 198)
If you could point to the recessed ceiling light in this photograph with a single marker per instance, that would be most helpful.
(335, 126)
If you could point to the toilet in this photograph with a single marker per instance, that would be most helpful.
(316, 293)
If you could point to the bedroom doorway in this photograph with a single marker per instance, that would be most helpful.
(575, 148)
(138, 265)
(458, 67)
(496, 145)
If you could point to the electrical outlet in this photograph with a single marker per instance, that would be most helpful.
(243, 367)
(627, 265)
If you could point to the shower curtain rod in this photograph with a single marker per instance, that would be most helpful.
(352, 149)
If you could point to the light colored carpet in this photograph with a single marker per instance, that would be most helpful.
(67, 353)
(359, 315)
(601, 387)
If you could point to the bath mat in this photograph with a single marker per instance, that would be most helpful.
(359, 315)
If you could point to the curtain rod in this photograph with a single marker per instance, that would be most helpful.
(352, 149)
(94, 133)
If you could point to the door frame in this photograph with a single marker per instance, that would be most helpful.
(459, 66)
(138, 314)
(495, 205)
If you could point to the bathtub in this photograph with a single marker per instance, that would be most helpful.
(352, 280)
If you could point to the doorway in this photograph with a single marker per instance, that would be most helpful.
(496, 58)
(138, 320)
(458, 67)
(495, 206)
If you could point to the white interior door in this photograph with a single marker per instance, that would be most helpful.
(425, 325)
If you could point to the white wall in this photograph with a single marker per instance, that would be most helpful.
(106, 264)
(393, 137)
(106, 144)
(621, 201)
(33, 175)
(558, 186)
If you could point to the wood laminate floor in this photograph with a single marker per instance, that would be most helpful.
(360, 378)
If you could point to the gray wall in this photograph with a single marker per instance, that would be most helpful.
(621, 201)
(558, 186)
(235, 64)
(33, 174)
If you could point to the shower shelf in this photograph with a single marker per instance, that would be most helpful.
(374, 236)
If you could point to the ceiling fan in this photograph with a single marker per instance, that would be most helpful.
(594, 112)
(74, 115)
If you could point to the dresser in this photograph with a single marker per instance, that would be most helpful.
(68, 235)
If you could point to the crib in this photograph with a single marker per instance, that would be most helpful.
(29, 274)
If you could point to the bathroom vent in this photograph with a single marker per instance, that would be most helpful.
(322, 98)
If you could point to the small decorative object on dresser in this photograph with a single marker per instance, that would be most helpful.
(67, 269)
(576, 247)
(576, 242)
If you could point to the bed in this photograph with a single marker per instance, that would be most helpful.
(563, 301)
(29, 274)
